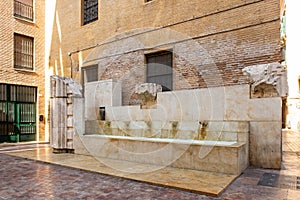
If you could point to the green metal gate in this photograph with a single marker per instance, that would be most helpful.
(17, 113)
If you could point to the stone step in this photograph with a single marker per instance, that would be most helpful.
(212, 156)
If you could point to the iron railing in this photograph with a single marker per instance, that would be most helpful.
(23, 10)
(18, 113)
(23, 61)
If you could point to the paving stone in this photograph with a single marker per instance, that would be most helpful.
(28, 179)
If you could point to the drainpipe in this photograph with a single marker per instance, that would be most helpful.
(71, 61)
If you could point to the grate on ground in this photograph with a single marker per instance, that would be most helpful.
(280, 181)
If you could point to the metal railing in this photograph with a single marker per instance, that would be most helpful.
(23, 10)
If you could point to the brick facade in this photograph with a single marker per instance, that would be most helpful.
(8, 75)
(211, 42)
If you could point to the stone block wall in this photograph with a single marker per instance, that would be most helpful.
(106, 93)
(10, 25)
(66, 112)
(221, 104)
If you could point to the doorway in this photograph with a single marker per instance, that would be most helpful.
(17, 113)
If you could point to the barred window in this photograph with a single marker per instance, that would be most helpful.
(23, 52)
(89, 74)
(159, 69)
(90, 11)
(23, 9)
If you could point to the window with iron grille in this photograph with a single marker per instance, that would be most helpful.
(17, 113)
(89, 74)
(23, 52)
(23, 9)
(90, 11)
(159, 69)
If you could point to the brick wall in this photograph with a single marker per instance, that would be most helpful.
(226, 36)
(9, 75)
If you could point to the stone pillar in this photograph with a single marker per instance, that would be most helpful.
(64, 92)
(267, 81)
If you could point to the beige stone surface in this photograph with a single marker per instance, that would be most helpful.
(239, 106)
(101, 94)
(265, 109)
(221, 136)
(231, 103)
(78, 115)
(58, 122)
(265, 144)
(228, 111)
(66, 113)
(243, 162)
(228, 126)
(212, 156)
(213, 130)
(211, 102)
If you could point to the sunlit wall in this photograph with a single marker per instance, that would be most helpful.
(293, 46)
(293, 62)
(49, 21)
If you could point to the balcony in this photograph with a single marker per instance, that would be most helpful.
(23, 10)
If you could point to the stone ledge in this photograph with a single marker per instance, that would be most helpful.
(229, 157)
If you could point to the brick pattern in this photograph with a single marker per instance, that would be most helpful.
(8, 74)
(230, 35)
(130, 68)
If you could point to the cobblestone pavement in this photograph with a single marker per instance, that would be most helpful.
(27, 179)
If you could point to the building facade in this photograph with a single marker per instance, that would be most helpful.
(22, 71)
(185, 47)
(229, 35)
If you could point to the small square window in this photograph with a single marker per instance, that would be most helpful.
(23, 9)
(146, 1)
(89, 11)
(23, 52)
